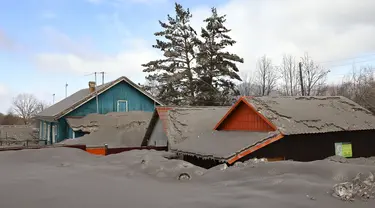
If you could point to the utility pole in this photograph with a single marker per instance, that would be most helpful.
(96, 87)
(66, 90)
(96, 92)
(301, 78)
(53, 98)
(102, 76)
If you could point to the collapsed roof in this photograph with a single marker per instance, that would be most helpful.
(125, 129)
(91, 122)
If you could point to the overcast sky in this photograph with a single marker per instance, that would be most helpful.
(47, 43)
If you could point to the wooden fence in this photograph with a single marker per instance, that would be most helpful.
(14, 142)
(101, 150)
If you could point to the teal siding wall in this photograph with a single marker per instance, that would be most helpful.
(43, 128)
(62, 130)
(108, 101)
(137, 101)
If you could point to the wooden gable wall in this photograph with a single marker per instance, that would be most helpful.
(244, 118)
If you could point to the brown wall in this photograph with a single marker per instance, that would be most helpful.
(162, 111)
(311, 147)
(243, 118)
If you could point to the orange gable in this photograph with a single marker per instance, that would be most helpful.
(243, 117)
(162, 112)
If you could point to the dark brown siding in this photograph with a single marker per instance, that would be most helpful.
(311, 147)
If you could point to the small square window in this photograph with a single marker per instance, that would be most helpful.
(122, 106)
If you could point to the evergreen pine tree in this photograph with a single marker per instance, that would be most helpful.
(175, 73)
(217, 68)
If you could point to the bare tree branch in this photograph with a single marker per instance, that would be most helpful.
(314, 76)
(248, 86)
(266, 76)
(26, 106)
(290, 77)
(358, 86)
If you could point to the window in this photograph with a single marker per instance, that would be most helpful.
(48, 132)
(54, 133)
(122, 106)
(44, 130)
(40, 129)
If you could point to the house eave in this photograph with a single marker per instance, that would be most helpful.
(93, 95)
(46, 118)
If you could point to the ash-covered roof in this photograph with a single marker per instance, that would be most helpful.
(305, 115)
(125, 129)
(77, 99)
(92, 122)
(72, 100)
(18, 132)
(220, 145)
(162, 113)
(186, 122)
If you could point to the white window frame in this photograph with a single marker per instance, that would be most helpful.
(44, 130)
(122, 101)
(54, 133)
(41, 130)
(49, 132)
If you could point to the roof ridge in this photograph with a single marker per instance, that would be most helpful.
(82, 96)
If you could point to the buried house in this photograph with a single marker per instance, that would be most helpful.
(120, 95)
(279, 128)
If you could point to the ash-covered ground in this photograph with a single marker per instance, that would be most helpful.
(64, 177)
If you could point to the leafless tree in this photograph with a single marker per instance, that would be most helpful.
(151, 87)
(248, 86)
(290, 76)
(358, 86)
(314, 77)
(26, 106)
(266, 76)
(42, 106)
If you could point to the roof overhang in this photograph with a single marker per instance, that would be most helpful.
(46, 118)
(254, 148)
(235, 155)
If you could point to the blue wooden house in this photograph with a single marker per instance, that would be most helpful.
(120, 95)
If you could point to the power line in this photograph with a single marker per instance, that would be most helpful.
(355, 62)
(346, 59)
(88, 74)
